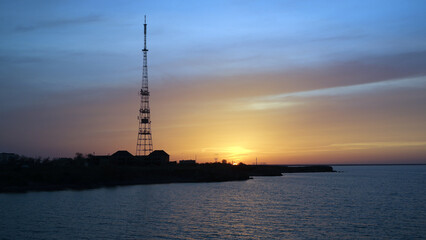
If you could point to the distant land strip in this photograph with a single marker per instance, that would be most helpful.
(75, 175)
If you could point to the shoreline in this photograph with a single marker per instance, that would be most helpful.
(48, 178)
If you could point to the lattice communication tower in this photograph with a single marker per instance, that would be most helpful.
(144, 143)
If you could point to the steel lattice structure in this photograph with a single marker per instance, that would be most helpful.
(144, 143)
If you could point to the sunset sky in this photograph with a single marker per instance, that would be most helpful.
(288, 82)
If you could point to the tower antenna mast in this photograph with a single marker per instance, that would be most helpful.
(144, 143)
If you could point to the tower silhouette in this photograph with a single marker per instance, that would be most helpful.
(144, 143)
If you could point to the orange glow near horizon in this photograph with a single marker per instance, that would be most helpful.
(312, 131)
(316, 130)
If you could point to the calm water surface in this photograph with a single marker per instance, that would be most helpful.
(362, 202)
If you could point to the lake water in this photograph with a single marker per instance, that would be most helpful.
(362, 202)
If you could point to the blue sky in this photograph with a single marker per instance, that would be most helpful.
(57, 56)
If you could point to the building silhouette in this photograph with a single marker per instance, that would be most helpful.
(123, 157)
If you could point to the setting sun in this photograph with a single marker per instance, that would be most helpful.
(234, 153)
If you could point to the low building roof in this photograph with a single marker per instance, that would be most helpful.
(159, 152)
(122, 153)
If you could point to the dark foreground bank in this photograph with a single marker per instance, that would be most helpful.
(50, 177)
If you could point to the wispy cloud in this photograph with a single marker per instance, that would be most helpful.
(293, 98)
(342, 37)
(370, 145)
(58, 23)
(356, 89)
(19, 59)
(336, 147)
